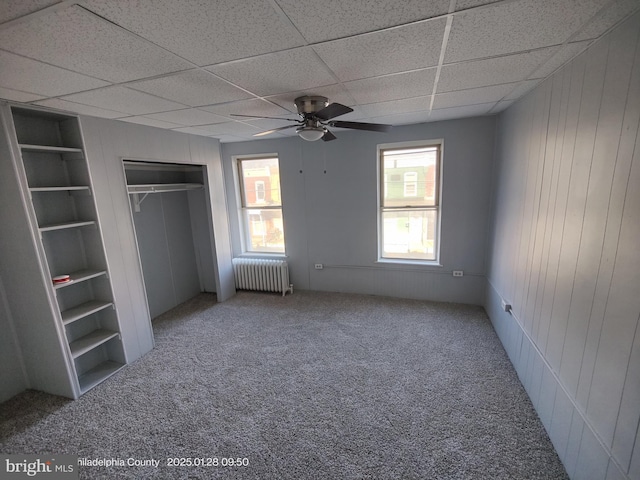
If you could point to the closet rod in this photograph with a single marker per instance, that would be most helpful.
(136, 190)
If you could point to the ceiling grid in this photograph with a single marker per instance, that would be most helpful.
(189, 65)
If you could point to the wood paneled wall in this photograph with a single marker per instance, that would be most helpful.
(565, 252)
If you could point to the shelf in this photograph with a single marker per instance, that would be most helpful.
(47, 148)
(84, 310)
(58, 189)
(80, 276)
(91, 341)
(62, 226)
(162, 187)
(93, 377)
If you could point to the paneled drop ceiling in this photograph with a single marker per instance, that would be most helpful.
(187, 65)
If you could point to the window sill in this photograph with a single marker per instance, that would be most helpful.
(400, 261)
(273, 256)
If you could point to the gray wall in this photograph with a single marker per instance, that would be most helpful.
(167, 254)
(107, 143)
(564, 250)
(331, 218)
(12, 375)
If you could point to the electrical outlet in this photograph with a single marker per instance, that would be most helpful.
(458, 273)
(506, 306)
(319, 266)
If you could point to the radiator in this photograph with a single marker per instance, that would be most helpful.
(260, 274)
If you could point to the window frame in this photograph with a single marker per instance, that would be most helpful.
(437, 207)
(243, 219)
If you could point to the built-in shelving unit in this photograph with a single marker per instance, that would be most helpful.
(54, 170)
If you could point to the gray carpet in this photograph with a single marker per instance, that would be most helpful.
(310, 386)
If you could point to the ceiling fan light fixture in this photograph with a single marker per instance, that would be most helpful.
(311, 134)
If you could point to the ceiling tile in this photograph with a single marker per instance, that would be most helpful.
(80, 108)
(516, 26)
(11, 9)
(194, 88)
(522, 88)
(612, 15)
(500, 106)
(279, 72)
(255, 106)
(465, 4)
(564, 54)
(202, 31)
(193, 131)
(98, 48)
(460, 112)
(390, 51)
(232, 128)
(393, 87)
(17, 96)
(335, 93)
(189, 117)
(25, 74)
(342, 19)
(125, 100)
(408, 105)
(472, 96)
(402, 118)
(493, 71)
(149, 121)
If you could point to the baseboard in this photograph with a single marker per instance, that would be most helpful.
(582, 452)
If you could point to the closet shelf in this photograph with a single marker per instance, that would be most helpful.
(84, 310)
(47, 148)
(62, 226)
(59, 189)
(91, 341)
(163, 187)
(80, 276)
(92, 377)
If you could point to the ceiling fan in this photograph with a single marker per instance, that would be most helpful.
(316, 114)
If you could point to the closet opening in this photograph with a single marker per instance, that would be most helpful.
(172, 224)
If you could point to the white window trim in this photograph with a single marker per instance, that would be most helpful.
(379, 176)
(246, 253)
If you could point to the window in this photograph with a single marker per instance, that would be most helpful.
(409, 207)
(260, 204)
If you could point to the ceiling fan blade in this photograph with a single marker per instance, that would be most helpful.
(331, 111)
(267, 132)
(271, 118)
(328, 136)
(374, 127)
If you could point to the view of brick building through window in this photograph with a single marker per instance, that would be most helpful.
(409, 204)
(261, 205)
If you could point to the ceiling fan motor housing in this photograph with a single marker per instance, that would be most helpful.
(310, 104)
